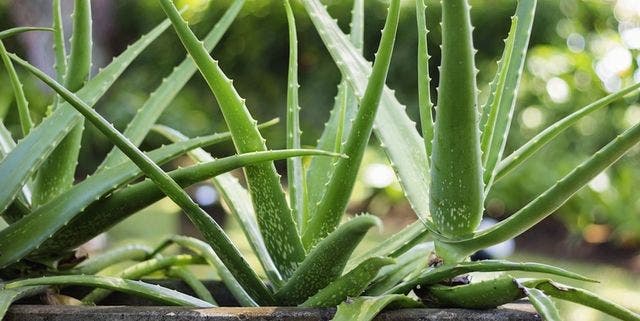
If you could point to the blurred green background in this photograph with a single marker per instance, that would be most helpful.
(580, 50)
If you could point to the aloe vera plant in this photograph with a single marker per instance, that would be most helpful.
(306, 254)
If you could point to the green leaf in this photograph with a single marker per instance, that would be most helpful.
(107, 212)
(435, 275)
(295, 174)
(164, 94)
(204, 250)
(59, 47)
(15, 242)
(543, 304)
(95, 264)
(338, 127)
(31, 151)
(536, 143)
(193, 282)
(7, 297)
(583, 297)
(350, 285)
(18, 30)
(424, 90)
(396, 131)
(213, 233)
(274, 216)
(545, 204)
(142, 269)
(366, 308)
(336, 197)
(456, 191)
(57, 173)
(238, 202)
(498, 111)
(151, 291)
(487, 294)
(409, 263)
(21, 100)
(326, 261)
(22, 204)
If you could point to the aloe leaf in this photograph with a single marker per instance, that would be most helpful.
(487, 294)
(57, 173)
(583, 297)
(435, 275)
(204, 250)
(21, 100)
(394, 245)
(533, 145)
(238, 202)
(350, 285)
(326, 261)
(274, 216)
(403, 144)
(93, 265)
(31, 151)
(490, 155)
(193, 282)
(151, 291)
(366, 308)
(15, 243)
(456, 191)
(122, 203)
(338, 127)
(409, 263)
(424, 90)
(545, 204)
(504, 90)
(18, 30)
(214, 234)
(338, 191)
(22, 203)
(59, 47)
(7, 297)
(543, 304)
(142, 269)
(162, 96)
(295, 174)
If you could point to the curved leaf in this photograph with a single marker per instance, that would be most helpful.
(18, 30)
(99, 262)
(31, 151)
(336, 196)
(366, 308)
(326, 261)
(204, 250)
(164, 94)
(274, 216)
(214, 234)
(583, 297)
(534, 144)
(396, 131)
(444, 272)
(142, 269)
(238, 202)
(151, 291)
(349, 285)
(543, 304)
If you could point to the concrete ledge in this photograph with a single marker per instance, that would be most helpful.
(514, 312)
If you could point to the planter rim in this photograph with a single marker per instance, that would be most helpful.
(513, 311)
